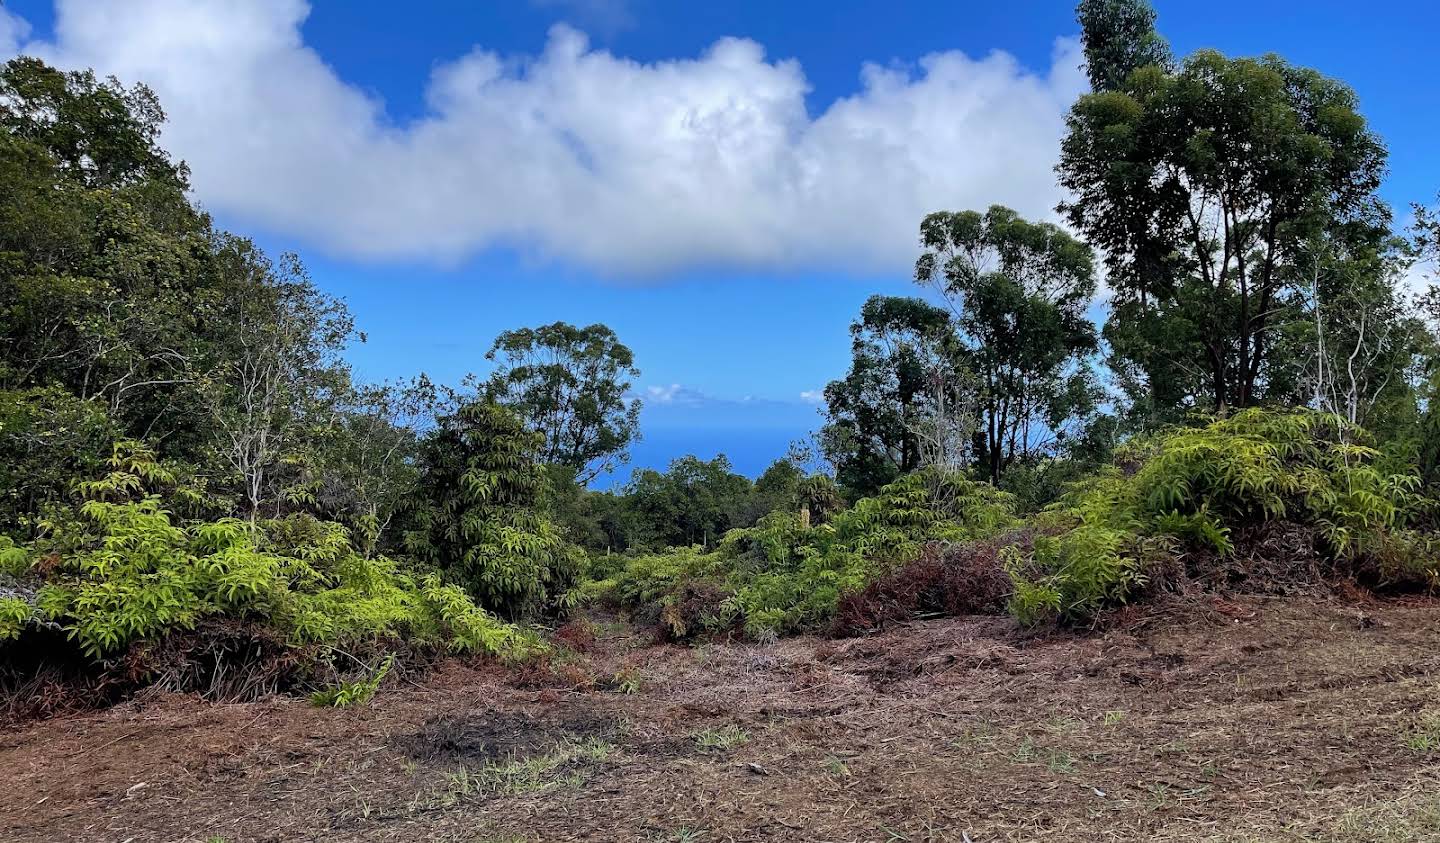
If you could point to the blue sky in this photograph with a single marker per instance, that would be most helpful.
(454, 169)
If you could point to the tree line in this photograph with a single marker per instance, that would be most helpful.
(1228, 206)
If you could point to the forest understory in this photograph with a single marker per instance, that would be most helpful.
(1217, 718)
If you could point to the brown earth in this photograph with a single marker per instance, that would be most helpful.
(1229, 720)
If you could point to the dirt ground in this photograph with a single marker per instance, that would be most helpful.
(1229, 720)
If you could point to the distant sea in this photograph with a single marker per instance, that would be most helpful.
(750, 450)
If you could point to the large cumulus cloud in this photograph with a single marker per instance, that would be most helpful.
(576, 155)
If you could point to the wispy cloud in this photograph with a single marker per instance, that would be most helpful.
(13, 31)
(678, 395)
(672, 394)
(606, 17)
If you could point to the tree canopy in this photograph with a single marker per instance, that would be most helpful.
(1019, 291)
(869, 432)
(1205, 187)
(1119, 38)
(572, 385)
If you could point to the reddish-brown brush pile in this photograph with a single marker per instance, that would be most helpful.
(696, 603)
(964, 579)
(44, 673)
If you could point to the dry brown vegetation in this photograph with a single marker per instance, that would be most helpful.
(1244, 719)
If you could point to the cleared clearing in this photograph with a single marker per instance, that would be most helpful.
(1230, 720)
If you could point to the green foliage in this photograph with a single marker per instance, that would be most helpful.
(14, 560)
(1019, 290)
(871, 413)
(15, 614)
(126, 571)
(1193, 487)
(48, 437)
(1303, 466)
(1074, 574)
(569, 384)
(480, 515)
(1207, 186)
(782, 575)
(468, 627)
(124, 313)
(694, 502)
(1119, 37)
(356, 692)
(104, 286)
(722, 739)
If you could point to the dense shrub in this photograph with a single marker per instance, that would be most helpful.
(1184, 496)
(1195, 488)
(783, 575)
(48, 437)
(480, 514)
(125, 571)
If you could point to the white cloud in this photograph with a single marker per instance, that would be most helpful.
(673, 394)
(662, 394)
(678, 395)
(13, 31)
(1419, 277)
(577, 155)
(607, 16)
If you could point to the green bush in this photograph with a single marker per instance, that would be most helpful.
(15, 614)
(1192, 488)
(357, 692)
(480, 514)
(125, 571)
(48, 437)
(782, 575)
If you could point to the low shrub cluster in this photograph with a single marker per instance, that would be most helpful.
(126, 571)
(945, 580)
(933, 543)
(783, 575)
(1190, 493)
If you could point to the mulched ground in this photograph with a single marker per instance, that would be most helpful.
(1243, 719)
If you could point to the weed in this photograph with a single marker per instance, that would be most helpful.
(520, 775)
(1060, 762)
(686, 834)
(627, 680)
(1113, 718)
(981, 733)
(1057, 761)
(357, 692)
(1413, 816)
(1025, 753)
(1425, 737)
(594, 749)
(722, 740)
(516, 775)
(835, 767)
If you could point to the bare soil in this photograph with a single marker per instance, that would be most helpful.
(1246, 719)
